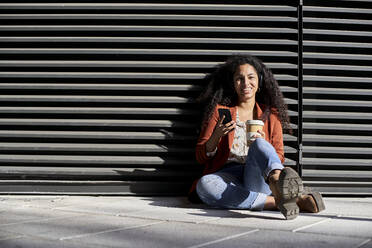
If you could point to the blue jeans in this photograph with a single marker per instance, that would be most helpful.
(241, 186)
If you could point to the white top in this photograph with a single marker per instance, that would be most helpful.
(239, 148)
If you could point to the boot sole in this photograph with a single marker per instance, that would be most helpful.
(291, 187)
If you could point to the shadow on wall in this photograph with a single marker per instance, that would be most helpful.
(158, 181)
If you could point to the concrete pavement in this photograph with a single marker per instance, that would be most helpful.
(85, 221)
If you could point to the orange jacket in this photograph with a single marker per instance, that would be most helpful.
(272, 128)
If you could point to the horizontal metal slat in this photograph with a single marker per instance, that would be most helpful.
(288, 89)
(337, 91)
(287, 137)
(341, 56)
(91, 160)
(316, 43)
(337, 138)
(120, 173)
(337, 126)
(94, 99)
(100, 63)
(337, 115)
(94, 122)
(336, 21)
(337, 162)
(345, 103)
(124, 87)
(99, 123)
(167, 17)
(97, 160)
(130, 75)
(343, 184)
(121, 28)
(91, 147)
(336, 9)
(142, 64)
(289, 162)
(336, 68)
(102, 86)
(176, 40)
(337, 79)
(334, 32)
(163, 135)
(95, 135)
(143, 51)
(145, 6)
(101, 110)
(337, 150)
(340, 188)
(342, 174)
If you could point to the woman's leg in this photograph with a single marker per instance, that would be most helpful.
(270, 203)
(224, 189)
(262, 159)
(284, 183)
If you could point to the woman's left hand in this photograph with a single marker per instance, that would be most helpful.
(261, 134)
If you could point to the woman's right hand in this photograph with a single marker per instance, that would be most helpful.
(219, 131)
(223, 129)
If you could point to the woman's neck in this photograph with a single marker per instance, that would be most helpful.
(247, 105)
(246, 110)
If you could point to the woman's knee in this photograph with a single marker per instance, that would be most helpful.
(210, 188)
(261, 144)
(208, 183)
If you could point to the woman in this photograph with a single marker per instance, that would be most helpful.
(240, 175)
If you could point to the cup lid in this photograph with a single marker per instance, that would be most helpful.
(255, 122)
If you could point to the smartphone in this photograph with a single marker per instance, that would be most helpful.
(225, 112)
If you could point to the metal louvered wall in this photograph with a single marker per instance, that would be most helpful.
(337, 153)
(97, 98)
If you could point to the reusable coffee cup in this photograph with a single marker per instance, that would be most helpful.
(252, 129)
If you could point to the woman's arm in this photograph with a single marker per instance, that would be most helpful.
(210, 136)
(277, 137)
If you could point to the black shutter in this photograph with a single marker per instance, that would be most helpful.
(337, 154)
(97, 98)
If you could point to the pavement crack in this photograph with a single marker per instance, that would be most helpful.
(363, 243)
(223, 239)
(311, 225)
(111, 230)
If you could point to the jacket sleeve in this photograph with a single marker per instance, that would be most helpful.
(277, 137)
(205, 134)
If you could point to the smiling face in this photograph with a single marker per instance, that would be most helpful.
(245, 82)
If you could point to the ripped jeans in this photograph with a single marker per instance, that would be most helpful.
(241, 186)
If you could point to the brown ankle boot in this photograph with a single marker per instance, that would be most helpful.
(273, 185)
(312, 202)
(286, 186)
(306, 203)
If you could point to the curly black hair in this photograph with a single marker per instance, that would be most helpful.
(219, 89)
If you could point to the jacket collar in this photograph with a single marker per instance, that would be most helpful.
(258, 111)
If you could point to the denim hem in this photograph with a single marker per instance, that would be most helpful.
(273, 166)
(259, 203)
